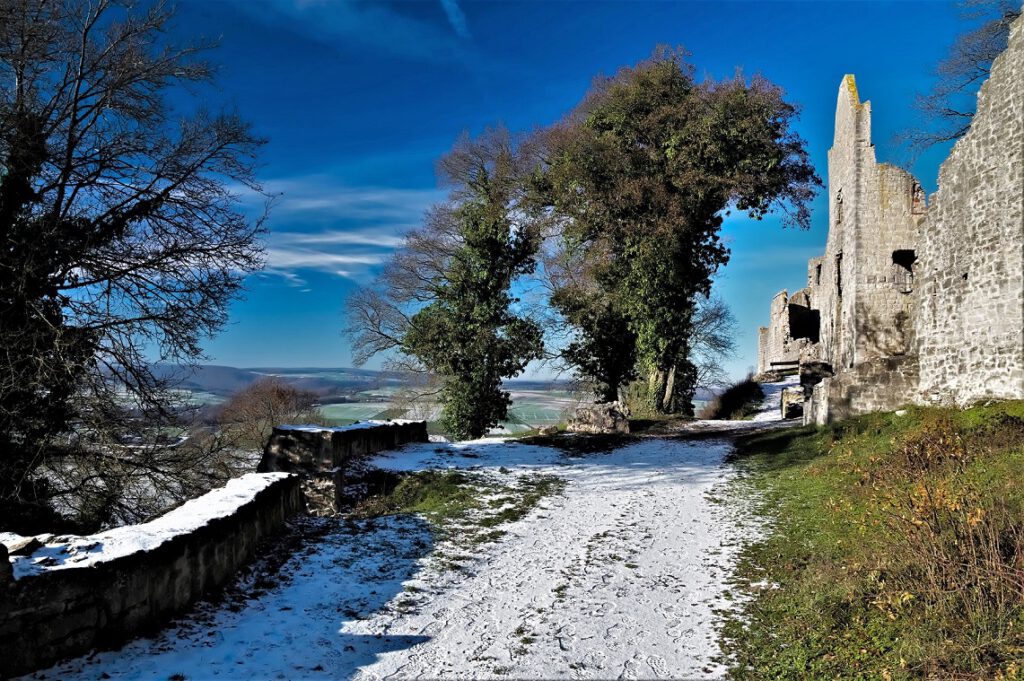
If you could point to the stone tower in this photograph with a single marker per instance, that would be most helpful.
(864, 291)
(861, 291)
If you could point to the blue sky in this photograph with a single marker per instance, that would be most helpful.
(359, 99)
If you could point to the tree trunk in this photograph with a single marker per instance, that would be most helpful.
(670, 383)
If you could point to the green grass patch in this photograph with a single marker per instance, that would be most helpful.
(896, 548)
(464, 507)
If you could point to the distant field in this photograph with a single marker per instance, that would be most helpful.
(535, 414)
(530, 408)
(344, 414)
(538, 408)
(198, 398)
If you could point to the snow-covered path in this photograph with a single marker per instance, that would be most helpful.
(617, 577)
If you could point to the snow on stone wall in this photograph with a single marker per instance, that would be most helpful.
(321, 455)
(74, 593)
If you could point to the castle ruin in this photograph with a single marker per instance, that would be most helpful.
(914, 301)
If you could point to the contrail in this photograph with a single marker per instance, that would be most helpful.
(456, 17)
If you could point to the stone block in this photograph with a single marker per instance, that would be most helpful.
(604, 418)
(792, 403)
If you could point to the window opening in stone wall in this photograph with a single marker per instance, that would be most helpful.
(804, 323)
(817, 275)
(839, 275)
(903, 269)
(839, 206)
(918, 204)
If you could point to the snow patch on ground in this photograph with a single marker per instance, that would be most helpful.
(72, 551)
(619, 576)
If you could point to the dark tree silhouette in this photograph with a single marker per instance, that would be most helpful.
(947, 109)
(122, 235)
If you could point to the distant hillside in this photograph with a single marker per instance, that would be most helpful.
(225, 381)
(330, 383)
(211, 378)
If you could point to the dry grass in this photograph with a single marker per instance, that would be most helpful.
(897, 549)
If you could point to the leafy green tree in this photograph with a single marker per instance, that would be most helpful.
(445, 300)
(600, 346)
(642, 174)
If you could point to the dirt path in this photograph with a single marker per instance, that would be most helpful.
(617, 577)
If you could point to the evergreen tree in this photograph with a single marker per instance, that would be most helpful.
(457, 274)
(642, 174)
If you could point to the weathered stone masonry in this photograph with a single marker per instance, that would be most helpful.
(321, 456)
(971, 318)
(67, 607)
(792, 328)
(64, 612)
(917, 303)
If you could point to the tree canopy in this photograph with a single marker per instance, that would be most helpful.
(627, 195)
(445, 301)
(641, 174)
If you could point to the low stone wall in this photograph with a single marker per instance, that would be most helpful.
(880, 384)
(321, 455)
(74, 594)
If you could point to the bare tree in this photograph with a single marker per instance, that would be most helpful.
(122, 235)
(251, 414)
(713, 341)
(947, 109)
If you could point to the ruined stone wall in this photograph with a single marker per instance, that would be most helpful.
(834, 296)
(922, 303)
(862, 289)
(305, 448)
(878, 384)
(67, 611)
(774, 343)
(971, 322)
(815, 267)
(785, 340)
(865, 294)
(762, 349)
(321, 455)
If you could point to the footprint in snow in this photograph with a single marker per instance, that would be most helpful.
(633, 668)
(595, 659)
(658, 666)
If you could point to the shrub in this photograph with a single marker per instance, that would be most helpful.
(739, 401)
(896, 548)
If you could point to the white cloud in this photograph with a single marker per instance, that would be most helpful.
(288, 262)
(352, 23)
(287, 259)
(366, 237)
(456, 17)
(322, 197)
(320, 223)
